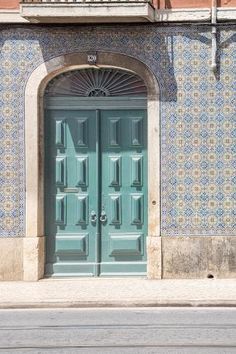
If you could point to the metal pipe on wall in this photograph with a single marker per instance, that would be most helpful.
(213, 34)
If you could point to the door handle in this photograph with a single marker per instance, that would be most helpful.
(93, 216)
(103, 217)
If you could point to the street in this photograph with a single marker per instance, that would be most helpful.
(118, 330)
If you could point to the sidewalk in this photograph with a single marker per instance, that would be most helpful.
(110, 292)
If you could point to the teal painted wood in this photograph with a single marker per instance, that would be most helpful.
(124, 191)
(103, 103)
(70, 191)
(95, 167)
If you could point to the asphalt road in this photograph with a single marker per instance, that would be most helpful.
(137, 330)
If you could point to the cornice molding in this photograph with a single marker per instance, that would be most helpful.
(166, 15)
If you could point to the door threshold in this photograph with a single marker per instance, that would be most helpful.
(60, 278)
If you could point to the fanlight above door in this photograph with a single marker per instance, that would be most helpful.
(96, 83)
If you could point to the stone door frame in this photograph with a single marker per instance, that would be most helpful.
(34, 240)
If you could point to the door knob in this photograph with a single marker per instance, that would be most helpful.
(93, 216)
(103, 217)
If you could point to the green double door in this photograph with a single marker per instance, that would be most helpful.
(95, 192)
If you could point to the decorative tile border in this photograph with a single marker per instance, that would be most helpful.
(197, 117)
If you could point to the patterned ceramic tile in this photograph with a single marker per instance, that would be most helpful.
(198, 127)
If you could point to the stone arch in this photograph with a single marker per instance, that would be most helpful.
(34, 250)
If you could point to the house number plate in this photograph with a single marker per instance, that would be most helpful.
(71, 190)
(91, 58)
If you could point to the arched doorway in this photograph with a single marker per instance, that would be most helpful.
(96, 179)
(34, 240)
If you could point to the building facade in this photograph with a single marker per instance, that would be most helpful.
(117, 135)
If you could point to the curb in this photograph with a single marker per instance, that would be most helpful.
(118, 304)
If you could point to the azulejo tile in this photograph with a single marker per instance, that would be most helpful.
(198, 126)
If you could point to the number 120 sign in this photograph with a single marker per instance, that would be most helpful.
(92, 58)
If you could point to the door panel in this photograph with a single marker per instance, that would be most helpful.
(124, 195)
(70, 191)
(95, 192)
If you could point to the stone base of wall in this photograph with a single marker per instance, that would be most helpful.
(33, 258)
(198, 257)
(169, 258)
(22, 258)
(11, 259)
(154, 263)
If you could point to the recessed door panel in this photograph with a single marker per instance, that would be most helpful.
(82, 132)
(115, 209)
(114, 132)
(72, 245)
(115, 171)
(136, 125)
(82, 171)
(129, 245)
(61, 171)
(136, 209)
(60, 133)
(82, 210)
(60, 209)
(136, 171)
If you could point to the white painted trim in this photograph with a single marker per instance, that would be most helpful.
(195, 15)
(167, 15)
(228, 13)
(85, 12)
(34, 138)
(12, 16)
(183, 15)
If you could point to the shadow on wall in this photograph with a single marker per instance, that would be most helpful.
(221, 45)
(152, 50)
(219, 54)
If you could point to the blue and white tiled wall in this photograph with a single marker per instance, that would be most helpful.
(198, 120)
